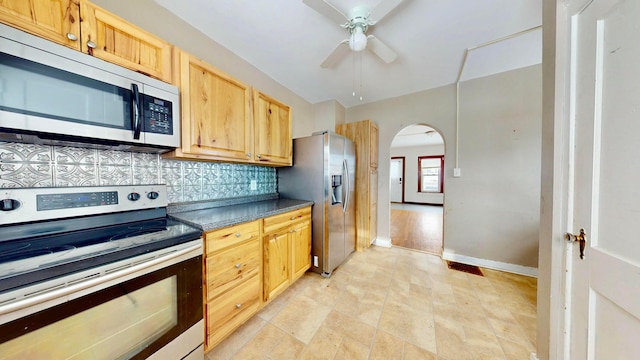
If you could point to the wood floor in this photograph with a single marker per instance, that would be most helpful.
(417, 230)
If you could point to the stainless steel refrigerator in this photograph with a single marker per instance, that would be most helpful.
(324, 171)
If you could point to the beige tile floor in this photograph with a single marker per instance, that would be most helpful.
(393, 304)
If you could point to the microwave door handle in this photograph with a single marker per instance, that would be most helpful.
(136, 124)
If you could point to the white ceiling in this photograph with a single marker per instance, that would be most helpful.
(288, 40)
(417, 135)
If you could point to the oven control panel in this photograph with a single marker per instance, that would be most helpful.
(19, 205)
(75, 200)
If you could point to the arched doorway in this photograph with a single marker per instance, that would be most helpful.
(416, 189)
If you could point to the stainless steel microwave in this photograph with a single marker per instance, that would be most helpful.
(50, 94)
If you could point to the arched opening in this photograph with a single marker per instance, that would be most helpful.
(416, 189)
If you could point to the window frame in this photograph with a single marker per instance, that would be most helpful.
(441, 175)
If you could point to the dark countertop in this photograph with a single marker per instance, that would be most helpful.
(222, 216)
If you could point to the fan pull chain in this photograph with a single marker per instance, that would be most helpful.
(357, 71)
(360, 59)
(353, 85)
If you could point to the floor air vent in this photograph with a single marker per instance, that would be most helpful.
(471, 269)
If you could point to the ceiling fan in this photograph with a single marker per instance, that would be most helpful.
(357, 22)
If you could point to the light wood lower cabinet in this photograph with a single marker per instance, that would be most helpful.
(232, 268)
(248, 265)
(287, 250)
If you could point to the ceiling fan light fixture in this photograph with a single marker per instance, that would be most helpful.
(357, 40)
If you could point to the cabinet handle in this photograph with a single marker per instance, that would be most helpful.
(238, 306)
(238, 266)
(91, 44)
(237, 234)
(72, 37)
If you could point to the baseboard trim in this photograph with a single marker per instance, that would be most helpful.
(490, 264)
(382, 242)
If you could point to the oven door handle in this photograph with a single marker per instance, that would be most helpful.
(103, 279)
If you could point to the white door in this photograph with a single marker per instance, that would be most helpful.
(395, 180)
(604, 188)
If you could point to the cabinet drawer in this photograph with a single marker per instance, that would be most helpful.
(220, 239)
(230, 267)
(283, 220)
(228, 312)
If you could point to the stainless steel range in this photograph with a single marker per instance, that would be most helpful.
(98, 272)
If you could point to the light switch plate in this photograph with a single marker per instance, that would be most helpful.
(253, 185)
(456, 172)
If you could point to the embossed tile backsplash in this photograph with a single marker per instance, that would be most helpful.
(29, 165)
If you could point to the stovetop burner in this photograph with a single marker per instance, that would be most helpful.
(52, 232)
(35, 259)
(26, 251)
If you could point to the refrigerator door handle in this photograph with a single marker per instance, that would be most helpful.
(347, 186)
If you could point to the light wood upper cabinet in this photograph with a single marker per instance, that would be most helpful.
(216, 114)
(272, 124)
(55, 20)
(223, 119)
(110, 38)
(84, 26)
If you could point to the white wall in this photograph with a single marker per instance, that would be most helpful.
(492, 211)
(326, 115)
(410, 183)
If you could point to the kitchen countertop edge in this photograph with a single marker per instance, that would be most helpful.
(223, 216)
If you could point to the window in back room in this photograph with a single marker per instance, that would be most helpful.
(430, 170)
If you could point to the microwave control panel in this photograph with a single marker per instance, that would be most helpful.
(158, 115)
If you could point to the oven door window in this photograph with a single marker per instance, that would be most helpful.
(116, 329)
(129, 320)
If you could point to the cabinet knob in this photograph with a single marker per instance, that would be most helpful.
(238, 266)
(238, 306)
(259, 156)
(72, 37)
(248, 154)
(91, 44)
(293, 218)
(237, 234)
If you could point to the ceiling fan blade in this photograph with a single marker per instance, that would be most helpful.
(382, 9)
(327, 10)
(336, 55)
(379, 48)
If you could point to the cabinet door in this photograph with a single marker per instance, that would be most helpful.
(276, 263)
(373, 206)
(272, 123)
(373, 146)
(216, 112)
(55, 20)
(301, 249)
(110, 38)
